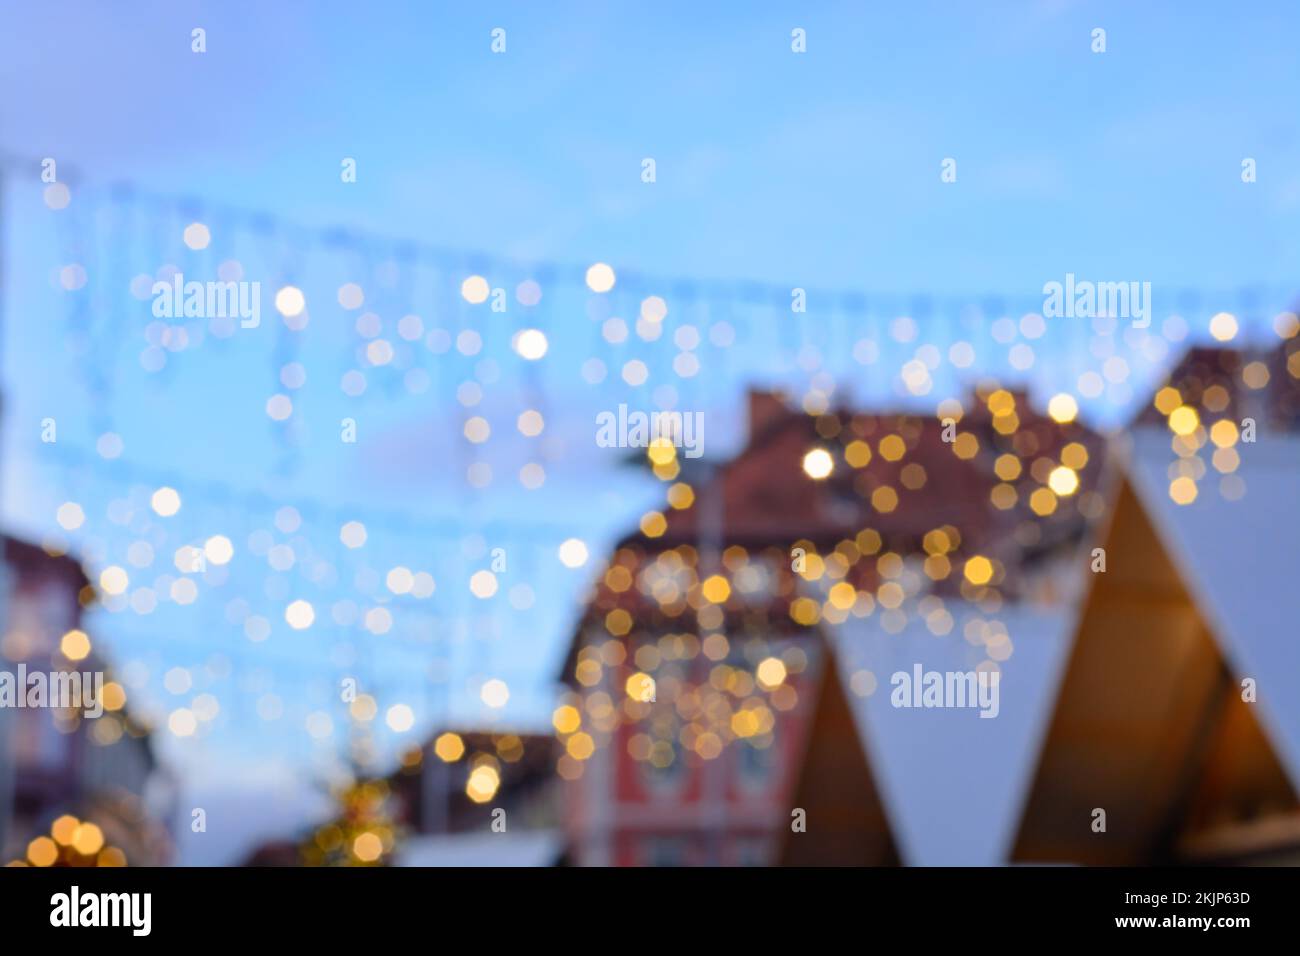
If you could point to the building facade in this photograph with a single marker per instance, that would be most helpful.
(57, 761)
(697, 665)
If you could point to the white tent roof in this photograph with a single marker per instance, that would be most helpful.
(953, 783)
(525, 848)
(1240, 560)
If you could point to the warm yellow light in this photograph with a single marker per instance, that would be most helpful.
(1001, 402)
(1063, 408)
(892, 448)
(1074, 455)
(1007, 467)
(114, 696)
(1167, 399)
(1004, 496)
(868, 540)
(640, 687)
(1042, 502)
(842, 595)
(1006, 424)
(771, 672)
(966, 446)
(1183, 420)
(978, 569)
(113, 580)
(1223, 326)
(1255, 375)
(653, 524)
(661, 451)
(63, 829)
(87, 839)
(1182, 490)
(364, 708)
(1226, 460)
(1224, 433)
(936, 542)
(716, 589)
(818, 464)
(884, 499)
(858, 454)
(618, 622)
(1063, 481)
(744, 723)
(566, 719)
(891, 595)
(681, 496)
(42, 852)
(668, 472)
(580, 746)
(937, 566)
(805, 611)
(75, 645)
(111, 856)
(449, 747)
(367, 847)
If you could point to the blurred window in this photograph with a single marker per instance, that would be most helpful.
(756, 765)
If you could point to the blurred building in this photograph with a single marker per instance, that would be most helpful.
(1179, 712)
(55, 762)
(465, 798)
(479, 798)
(967, 565)
(701, 683)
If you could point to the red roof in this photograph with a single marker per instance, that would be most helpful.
(764, 502)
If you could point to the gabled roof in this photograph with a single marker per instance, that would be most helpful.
(837, 788)
(1240, 559)
(1236, 383)
(1149, 723)
(954, 785)
(763, 500)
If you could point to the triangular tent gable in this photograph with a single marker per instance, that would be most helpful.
(844, 822)
(952, 780)
(1241, 559)
(1152, 755)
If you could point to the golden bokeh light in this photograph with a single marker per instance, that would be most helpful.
(978, 569)
(449, 747)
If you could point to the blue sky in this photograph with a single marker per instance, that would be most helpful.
(818, 170)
